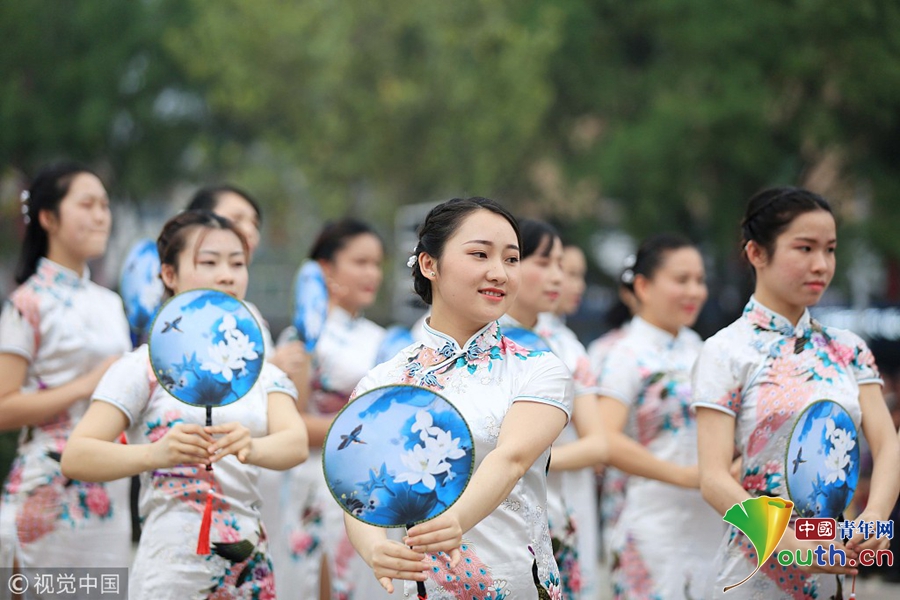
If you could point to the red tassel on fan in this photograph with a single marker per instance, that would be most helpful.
(205, 524)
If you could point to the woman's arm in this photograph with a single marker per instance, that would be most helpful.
(291, 358)
(317, 426)
(591, 448)
(519, 445)
(885, 447)
(19, 410)
(715, 446)
(284, 447)
(91, 453)
(633, 458)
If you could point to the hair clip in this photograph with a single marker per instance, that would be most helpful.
(627, 276)
(24, 196)
(629, 261)
(411, 262)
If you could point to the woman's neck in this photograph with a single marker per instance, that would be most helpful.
(659, 323)
(353, 311)
(527, 318)
(789, 311)
(66, 260)
(459, 329)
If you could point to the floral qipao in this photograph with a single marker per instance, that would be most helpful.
(508, 555)
(612, 483)
(172, 500)
(571, 495)
(312, 524)
(764, 371)
(648, 370)
(63, 324)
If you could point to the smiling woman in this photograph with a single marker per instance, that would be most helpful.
(170, 447)
(467, 268)
(59, 332)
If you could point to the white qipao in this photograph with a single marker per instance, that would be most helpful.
(571, 495)
(312, 522)
(612, 482)
(764, 371)
(63, 324)
(508, 555)
(172, 500)
(666, 536)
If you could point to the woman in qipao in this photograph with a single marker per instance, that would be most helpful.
(170, 446)
(242, 209)
(645, 386)
(59, 332)
(755, 377)
(312, 540)
(493, 543)
(571, 496)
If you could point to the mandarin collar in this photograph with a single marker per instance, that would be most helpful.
(655, 335)
(486, 337)
(765, 318)
(59, 275)
(340, 316)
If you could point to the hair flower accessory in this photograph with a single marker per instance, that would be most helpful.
(23, 199)
(411, 262)
(627, 276)
(629, 261)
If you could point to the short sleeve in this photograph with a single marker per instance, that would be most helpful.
(715, 384)
(845, 346)
(620, 378)
(584, 379)
(20, 326)
(547, 382)
(274, 379)
(126, 384)
(368, 382)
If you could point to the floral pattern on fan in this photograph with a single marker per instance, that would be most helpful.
(822, 461)
(206, 348)
(140, 287)
(398, 455)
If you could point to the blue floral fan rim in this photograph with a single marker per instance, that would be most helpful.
(526, 338)
(822, 482)
(390, 498)
(310, 304)
(217, 371)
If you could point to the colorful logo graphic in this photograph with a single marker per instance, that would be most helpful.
(763, 520)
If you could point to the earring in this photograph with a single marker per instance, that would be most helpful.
(432, 273)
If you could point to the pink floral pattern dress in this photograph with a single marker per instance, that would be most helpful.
(508, 555)
(571, 495)
(612, 482)
(172, 500)
(764, 371)
(312, 524)
(63, 324)
(666, 536)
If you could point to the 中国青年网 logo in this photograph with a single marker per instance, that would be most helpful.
(764, 520)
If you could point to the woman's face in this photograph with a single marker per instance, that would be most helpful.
(80, 229)
(236, 209)
(671, 298)
(477, 277)
(574, 268)
(802, 264)
(542, 278)
(212, 258)
(354, 274)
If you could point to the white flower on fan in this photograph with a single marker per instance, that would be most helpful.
(836, 463)
(443, 445)
(151, 294)
(423, 466)
(240, 344)
(840, 438)
(223, 359)
(424, 424)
